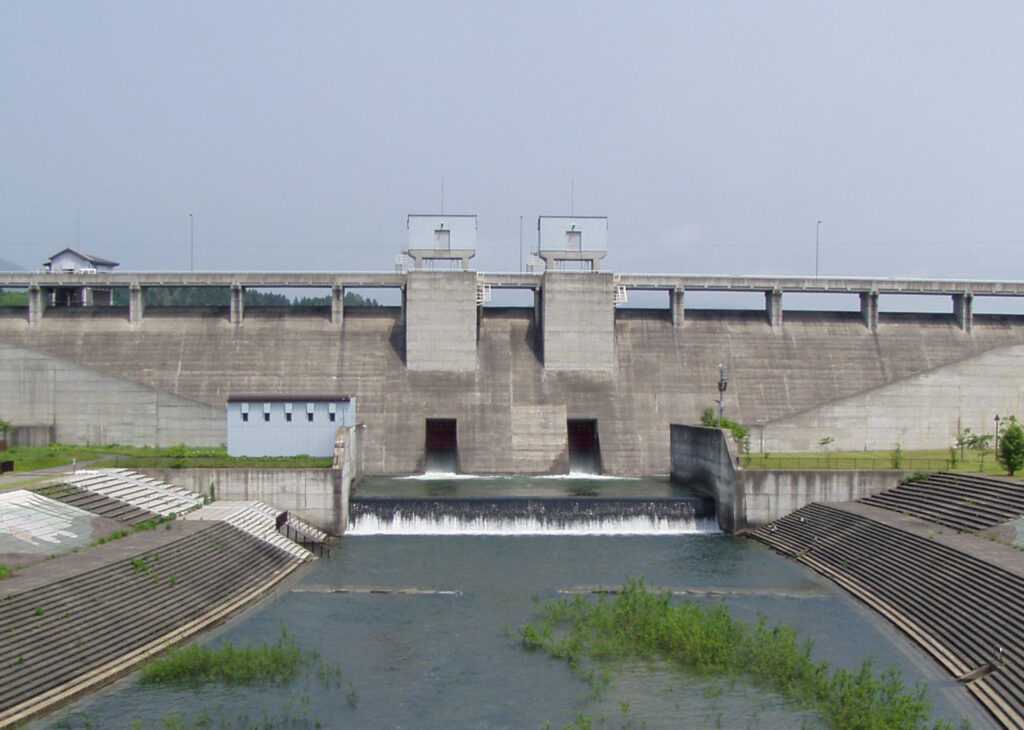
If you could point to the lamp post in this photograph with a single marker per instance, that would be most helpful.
(817, 232)
(191, 243)
(723, 383)
(997, 433)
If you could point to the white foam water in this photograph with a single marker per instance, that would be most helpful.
(442, 524)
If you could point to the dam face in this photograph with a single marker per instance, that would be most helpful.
(515, 390)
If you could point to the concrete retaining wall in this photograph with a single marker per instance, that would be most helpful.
(319, 496)
(920, 411)
(704, 458)
(346, 473)
(309, 493)
(768, 495)
(86, 406)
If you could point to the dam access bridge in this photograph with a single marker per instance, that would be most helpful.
(41, 287)
(513, 388)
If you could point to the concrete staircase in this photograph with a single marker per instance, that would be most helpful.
(136, 490)
(67, 636)
(254, 518)
(967, 502)
(97, 504)
(966, 612)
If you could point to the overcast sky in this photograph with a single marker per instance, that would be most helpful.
(713, 135)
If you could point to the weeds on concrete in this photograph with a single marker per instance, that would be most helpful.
(111, 537)
(642, 623)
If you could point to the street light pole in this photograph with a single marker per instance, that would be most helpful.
(723, 383)
(817, 231)
(997, 435)
(192, 243)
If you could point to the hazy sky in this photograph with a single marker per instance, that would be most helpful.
(714, 135)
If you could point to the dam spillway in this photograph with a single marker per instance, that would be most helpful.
(512, 506)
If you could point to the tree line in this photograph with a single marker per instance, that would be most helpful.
(207, 296)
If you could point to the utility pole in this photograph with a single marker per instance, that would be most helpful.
(520, 244)
(817, 232)
(723, 383)
(192, 243)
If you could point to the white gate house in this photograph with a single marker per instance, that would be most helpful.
(287, 425)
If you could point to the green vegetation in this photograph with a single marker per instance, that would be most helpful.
(4, 571)
(1011, 447)
(281, 662)
(642, 624)
(925, 460)
(111, 537)
(17, 298)
(220, 296)
(739, 432)
(30, 458)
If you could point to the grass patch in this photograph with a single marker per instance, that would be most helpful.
(642, 623)
(30, 458)
(4, 571)
(927, 460)
(277, 663)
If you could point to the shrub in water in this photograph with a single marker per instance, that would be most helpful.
(196, 665)
(708, 641)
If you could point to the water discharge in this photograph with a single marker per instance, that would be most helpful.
(510, 507)
(423, 628)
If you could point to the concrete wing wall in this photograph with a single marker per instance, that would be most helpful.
(90, 407)
(921, 411)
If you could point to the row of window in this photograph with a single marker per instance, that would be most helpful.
(332, 416)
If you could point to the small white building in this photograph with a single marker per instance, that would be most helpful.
(70, 261)
(572, 243)
(287, 425)
(441, 241)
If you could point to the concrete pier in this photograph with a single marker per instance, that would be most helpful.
(579, 321)
(440, 320)
(337, 305)
(135, 305)
(963, 311)
(869, 310)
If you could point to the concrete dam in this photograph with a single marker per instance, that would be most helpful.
(514, 389)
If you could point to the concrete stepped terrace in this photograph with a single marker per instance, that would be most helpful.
(255, 518)
(73, 624)
(963, 501)
(960, 598)
(137, 490)
(97, 503)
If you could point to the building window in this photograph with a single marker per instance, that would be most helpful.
(333, 415)
(309, 416)
(266, 416)
(288, 416)
(245, 417)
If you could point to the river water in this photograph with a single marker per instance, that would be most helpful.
(423, 628)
